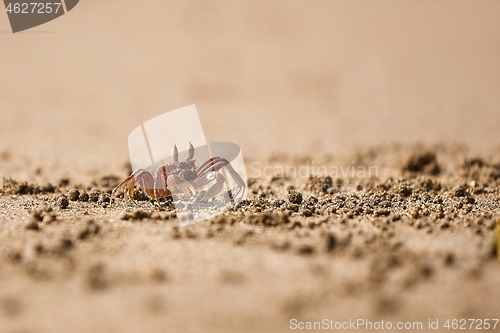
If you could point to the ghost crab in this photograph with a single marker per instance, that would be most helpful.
(183, 176)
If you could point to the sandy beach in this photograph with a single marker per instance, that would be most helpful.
(408, 88)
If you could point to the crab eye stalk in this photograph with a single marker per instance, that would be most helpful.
(175, 154)
(190, 151)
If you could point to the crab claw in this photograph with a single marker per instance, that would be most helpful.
(174, 181)
(187, 188)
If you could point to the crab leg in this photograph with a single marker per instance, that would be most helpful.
(218, 163)
(160, 184)
(208, 178)
(207, 165)
(140, 176)
(129, 192)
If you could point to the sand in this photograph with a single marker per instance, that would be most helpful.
(415, 246)
(410, 88)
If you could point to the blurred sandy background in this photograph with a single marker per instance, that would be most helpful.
(287, 76)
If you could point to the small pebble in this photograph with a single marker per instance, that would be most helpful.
(307, 212)
(313, 199)
(124, 216)
(73, 194)
(382, 212)
(32, 225)
(295, 197)
(305, 249)
(90, 229)
(330, 242)
(94, 196)
(135, 215)
(62, 245)
(159, 275)
(37, 215)
(105, 197)
(449, 260)
(48, 218)
(62, 202)
(461, 191)
(83, 196)
(445, 225)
